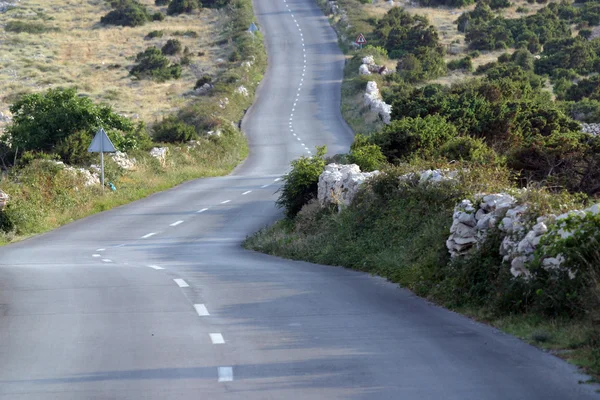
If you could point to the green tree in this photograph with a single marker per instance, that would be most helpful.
(182, 6)
(62, 122)
(151, 63)
(127, 13)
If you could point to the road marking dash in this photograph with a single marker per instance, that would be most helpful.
(246, 192)
(201, 211)
(148, 235)
(177, 223)
(100, 249)
(96, 255)
(155, 267)
(225, 374)
(276, 179)
(225, 202)
(265, 186)
(106, 260)
(216, 338)
(181, 283)
(201, 310)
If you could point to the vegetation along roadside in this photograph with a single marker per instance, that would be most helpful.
(169, 80)
(481, 119)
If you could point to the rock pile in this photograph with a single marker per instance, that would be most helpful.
(204, 89)
(242, 90)
(160, 153)
(89, 178)
(373, 100)
(123, 160)
(592, 129)
(339, 183)
(522, 235)
(223, 102)
(369, 67)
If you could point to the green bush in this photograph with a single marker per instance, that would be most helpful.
(366, 155)
(27, 27)
(464, 63)
(126, 13)
(585, 110)
(465, 148)
(155, 34)
(172, 47)
(60, 121)
(158, 16)
(409, 137)
(172, 130)
(496, 4)
(152, 64)
(300, 185)
(203, 81)
(161, 2)
(182, 6)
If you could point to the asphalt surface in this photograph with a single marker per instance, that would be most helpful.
(157, 300)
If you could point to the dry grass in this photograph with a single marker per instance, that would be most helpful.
(96, 58)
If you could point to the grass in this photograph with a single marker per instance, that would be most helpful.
(79, 51)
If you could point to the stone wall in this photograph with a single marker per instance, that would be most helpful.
(373, 100)
(339, 183)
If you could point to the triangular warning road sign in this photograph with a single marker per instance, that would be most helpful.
(101, 143)
(361, 39)
(253, 28)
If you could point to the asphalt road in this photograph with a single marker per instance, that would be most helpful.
(157, 300)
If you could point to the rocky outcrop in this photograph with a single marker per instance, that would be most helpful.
(123, 160)
(368, 67)
(373, 100)
(242, 90)
(339, 183)
(160, 153)
(592, 129)
(89, 178)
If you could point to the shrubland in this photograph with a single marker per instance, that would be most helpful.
(505, 119)
(55, 126)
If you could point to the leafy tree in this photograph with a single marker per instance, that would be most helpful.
(62, 122)
(151, 63)
(182, 6)
(127, 13)
(173, 130)
(301, 183)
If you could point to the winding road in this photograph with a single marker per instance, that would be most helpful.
(157, 300)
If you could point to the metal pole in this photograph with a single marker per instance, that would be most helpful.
(102, 168)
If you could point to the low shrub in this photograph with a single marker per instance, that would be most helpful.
(202, 81)
(127, 13)
(182, 6)
(366, 155)
(158, 16)
(27, 27)
(465, 148)
(172, 47)
(300, 185)
(464, 63)
(155, 34)
(172, 130)
(161, 2)
(152, 64)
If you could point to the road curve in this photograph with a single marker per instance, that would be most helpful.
(157, 300)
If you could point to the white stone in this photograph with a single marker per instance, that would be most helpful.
(372, 99)
(339, 183)
(242, 90)
(368, 60)
(160, 153)
(540, 228)
(518, 268)
(123, 160)
(364, 70)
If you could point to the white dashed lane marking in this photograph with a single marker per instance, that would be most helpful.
(148, 235)
(225, 202)
(96, 255)
(216, 338)
(100, 249)
(201, 310)
(201, 211)
(177, 223)
(106, 260)
(265, 186)
(225, 374)
(155, 267)
(181, 283)
(246, 192)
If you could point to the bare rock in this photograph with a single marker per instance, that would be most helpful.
(339, 183)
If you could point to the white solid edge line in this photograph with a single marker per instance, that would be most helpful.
(177, 223)
(225, 374)
(201, 310)
(100, 249)
(148, 235)
(106, 260)
(225, 202)
(96, 255)
(216, 338)
(181, 283)
(201, 211)
(155, 267)
(245, 193)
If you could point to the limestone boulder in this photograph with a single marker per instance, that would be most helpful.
(339, 183)
(160, 153)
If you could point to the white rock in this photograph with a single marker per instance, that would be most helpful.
(368, 60)
(372, 99)
(364, 70)
(242, 90)
(160, 153)
(123, 160)
(339, 183)
(540, 228)
(518, 268)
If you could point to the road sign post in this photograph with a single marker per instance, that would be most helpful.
(253, 28)
(101, 144)
(360, 40)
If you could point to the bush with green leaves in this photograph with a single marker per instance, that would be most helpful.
(588, 88)
(366, 155)
(577, 54)
(155, 34)
(585, 110)
(27, 27)
(173, 130)
(300, 185)
(152, 64)
(172, 47)
(464, 63)
(161, 2)
(158, 16)
(182, 6)
(409, 137)
(59, 121)
(127, 13)
(466, 148)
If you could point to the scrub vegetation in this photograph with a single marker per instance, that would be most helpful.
(496, 91)
(43, 149)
